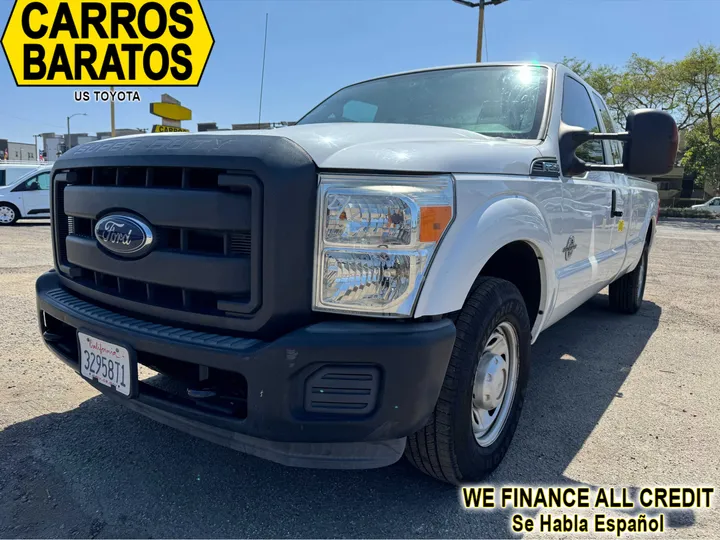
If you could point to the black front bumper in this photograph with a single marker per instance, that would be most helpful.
(298, 411)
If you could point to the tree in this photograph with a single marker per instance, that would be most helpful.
(697, 78)
(702, 156)
(641, 84)
(689, 88)
(602, 78)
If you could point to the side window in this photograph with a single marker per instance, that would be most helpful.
(44, 181)
(715, 202)
(615, 146)
(36, 183)
(2, 177)
(577, 110)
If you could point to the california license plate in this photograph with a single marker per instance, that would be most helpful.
(107, 363)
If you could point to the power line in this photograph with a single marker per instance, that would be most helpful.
(33, 121)
(262, 77)
(487, 54)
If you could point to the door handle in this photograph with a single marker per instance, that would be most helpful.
(613, 211)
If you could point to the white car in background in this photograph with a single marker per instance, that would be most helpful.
(713, 205)
(26, 197)
(12, 171)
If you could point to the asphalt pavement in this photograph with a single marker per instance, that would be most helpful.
(613, 400)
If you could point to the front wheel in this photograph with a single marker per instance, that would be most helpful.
(626, 293)
(484, 388)
(8, 214)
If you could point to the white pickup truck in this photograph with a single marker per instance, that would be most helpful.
(713, 205)
(365, 284)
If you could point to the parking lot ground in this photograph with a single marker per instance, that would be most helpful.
(613, 400)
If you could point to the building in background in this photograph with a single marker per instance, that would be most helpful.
(53, 145)
(677, 188)
(16, 151)
(120, 133)
(212, 126)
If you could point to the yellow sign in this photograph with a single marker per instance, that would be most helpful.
(621, 225)
(168, 129)
(171, 111)
(107, 42)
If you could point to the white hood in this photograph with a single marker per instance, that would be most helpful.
(406, 148)
(394, 147)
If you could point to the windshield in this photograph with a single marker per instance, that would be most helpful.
(500, 101)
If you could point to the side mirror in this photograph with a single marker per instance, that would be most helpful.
(652, 148)
(651, 143)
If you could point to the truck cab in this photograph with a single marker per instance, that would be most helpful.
(364, 285)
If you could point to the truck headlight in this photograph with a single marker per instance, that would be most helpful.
(376, 237)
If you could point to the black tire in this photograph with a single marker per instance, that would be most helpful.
(446, 448)
(9, 208)
(626, 293)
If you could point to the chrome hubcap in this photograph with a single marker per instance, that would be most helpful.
(494, 384)
(7, 214)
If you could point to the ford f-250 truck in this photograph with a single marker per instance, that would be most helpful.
(364, 284)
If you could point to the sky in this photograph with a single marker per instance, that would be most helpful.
(315, 47)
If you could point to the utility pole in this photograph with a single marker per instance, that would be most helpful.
(481, 20)
(37, 154)
(112, 114)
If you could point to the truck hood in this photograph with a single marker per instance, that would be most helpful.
(371, 147)
(408, 148)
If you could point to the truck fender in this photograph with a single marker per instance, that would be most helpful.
(470, 243)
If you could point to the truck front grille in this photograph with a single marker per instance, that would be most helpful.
(207, 228)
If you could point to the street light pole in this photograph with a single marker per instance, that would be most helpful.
(481, 20)
(69, 142)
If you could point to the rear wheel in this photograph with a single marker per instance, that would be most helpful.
(626, 293)
(484, 388)
(8, 214)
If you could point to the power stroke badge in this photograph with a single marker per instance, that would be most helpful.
(107, 42)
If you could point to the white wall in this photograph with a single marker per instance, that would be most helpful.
(22, 152)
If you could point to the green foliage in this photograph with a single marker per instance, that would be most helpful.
(696, 79)
(688, 88)
(687, 213)
(702, 155)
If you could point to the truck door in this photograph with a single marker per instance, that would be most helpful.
(620, 216)
(587, 226)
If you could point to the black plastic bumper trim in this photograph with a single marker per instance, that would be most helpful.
(411, 362)
(312, 455)
(71, 304)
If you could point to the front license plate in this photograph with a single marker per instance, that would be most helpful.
(105, 362)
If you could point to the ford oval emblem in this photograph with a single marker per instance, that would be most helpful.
(124, 235)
